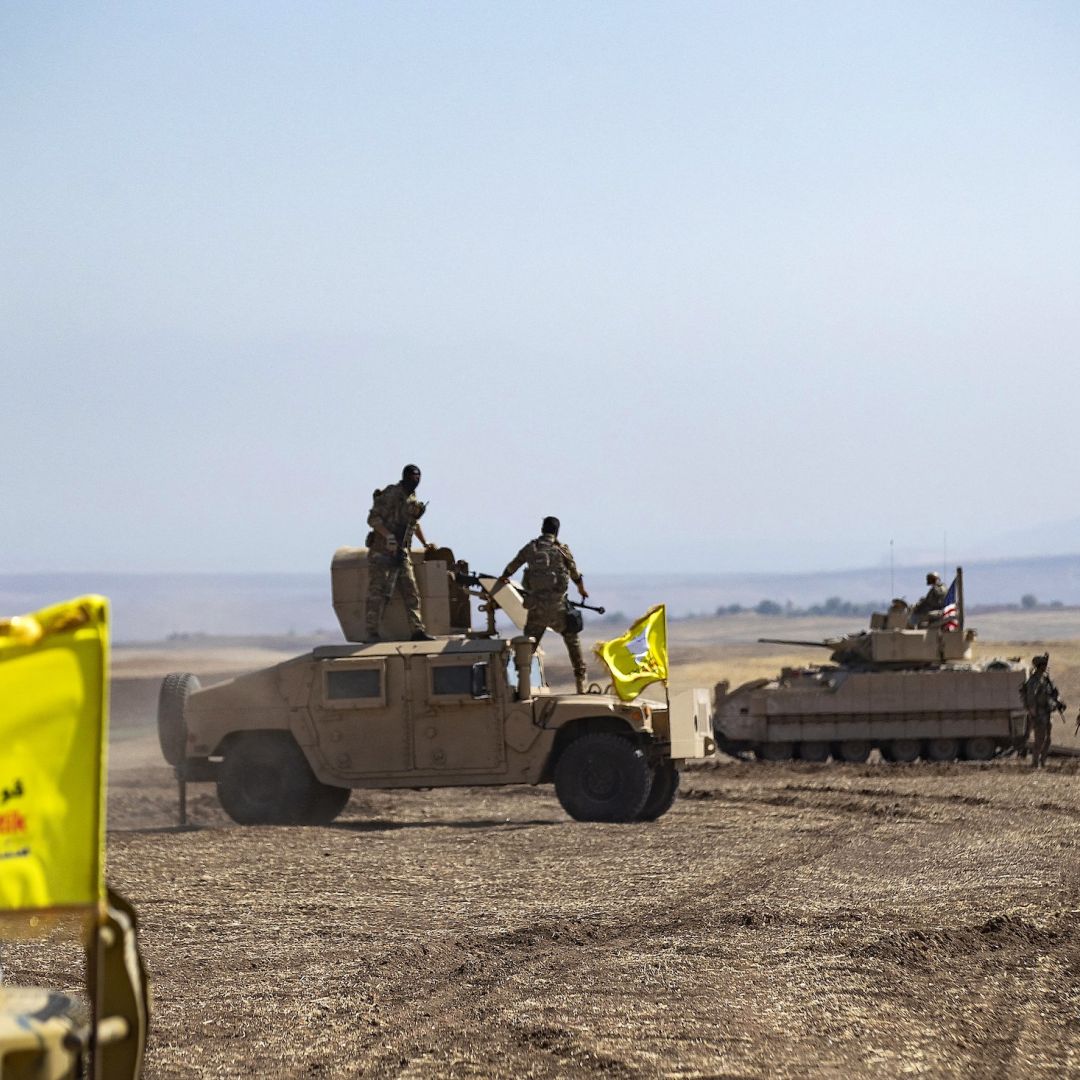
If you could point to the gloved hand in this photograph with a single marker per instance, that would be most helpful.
(391, 545)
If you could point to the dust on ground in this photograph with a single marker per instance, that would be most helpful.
(781, 921)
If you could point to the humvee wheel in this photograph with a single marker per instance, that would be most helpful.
(814, 751)
(853, 751)
(172, 728)
(665, 787)
(774, 751)
(327, 805)
(942, 749)
(603, 777)
(901, 751)
(979, 748)
(266, 780)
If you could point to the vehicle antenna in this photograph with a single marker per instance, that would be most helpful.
(892, 571)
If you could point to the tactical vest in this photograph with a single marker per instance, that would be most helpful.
(546, 571)
(399, 511)
(1039, 693)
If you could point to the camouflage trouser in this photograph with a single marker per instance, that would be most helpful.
(545, 611)
(1040, 736)
(384, 575)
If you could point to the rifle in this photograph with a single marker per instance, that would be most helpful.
(464, 577)
(587, 607)
(473, 580)
(577, 604)
(404, 535)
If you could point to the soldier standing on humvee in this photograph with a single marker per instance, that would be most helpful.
(932, 602)
(1041, 701)
(549, 568)
(394, 520)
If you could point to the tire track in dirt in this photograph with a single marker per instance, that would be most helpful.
(560, 950)
(847, 799)
(542, 950)
(1012, 970)
(933, 797)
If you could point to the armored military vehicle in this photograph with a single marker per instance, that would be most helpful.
(910, 691)
(287, 744)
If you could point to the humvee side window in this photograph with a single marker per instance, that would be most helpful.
(460, 680)
(351, 686)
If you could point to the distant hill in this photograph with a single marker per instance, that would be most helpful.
(151, 607)
(990, 582)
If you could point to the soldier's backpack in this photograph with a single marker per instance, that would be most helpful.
(547, 571)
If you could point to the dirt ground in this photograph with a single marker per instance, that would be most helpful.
(780, 921)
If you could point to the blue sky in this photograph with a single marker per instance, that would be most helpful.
(724, 286)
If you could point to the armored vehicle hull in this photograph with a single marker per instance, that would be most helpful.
(908, 687)
(815, 713)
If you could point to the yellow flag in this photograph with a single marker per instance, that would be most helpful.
(639, 657)
(53, 722)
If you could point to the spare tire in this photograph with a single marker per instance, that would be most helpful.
(176, 688)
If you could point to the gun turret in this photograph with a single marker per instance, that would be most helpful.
(883, 648)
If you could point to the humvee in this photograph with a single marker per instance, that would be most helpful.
(286, 745)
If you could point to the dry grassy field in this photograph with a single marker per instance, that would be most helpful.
(781, 921)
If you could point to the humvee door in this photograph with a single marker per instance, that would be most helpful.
(458, 700)
(358, 708)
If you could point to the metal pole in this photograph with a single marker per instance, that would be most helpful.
(181, 779)
(98, 1003)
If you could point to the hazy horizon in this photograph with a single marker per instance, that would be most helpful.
(151, 607)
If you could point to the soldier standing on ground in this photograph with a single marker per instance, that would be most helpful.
(1041, 700)
(549, 568)
(394, 520)
(932, 602)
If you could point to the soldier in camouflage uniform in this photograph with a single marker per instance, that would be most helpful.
(549, 568)
(1041, 701)
(394, 520)
(932, 602)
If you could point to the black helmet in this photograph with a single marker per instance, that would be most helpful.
(550, 526)
(410, 477)
(933, 579)
(1040, 661)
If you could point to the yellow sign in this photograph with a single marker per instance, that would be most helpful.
(53, 730)
(639, 657)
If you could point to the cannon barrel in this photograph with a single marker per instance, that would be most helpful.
(785, 641)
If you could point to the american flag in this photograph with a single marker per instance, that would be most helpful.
(950, 615)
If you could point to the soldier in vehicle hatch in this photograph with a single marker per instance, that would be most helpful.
(549, 568)
(1041, 700)
(395, 520)
(932, 602)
